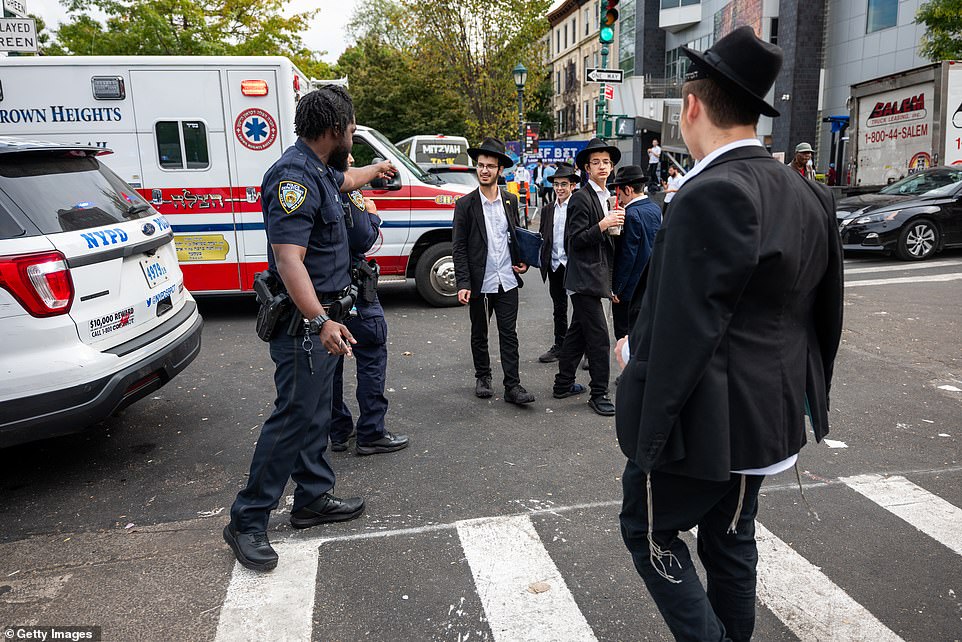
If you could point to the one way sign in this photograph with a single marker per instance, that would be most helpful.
(614, 76)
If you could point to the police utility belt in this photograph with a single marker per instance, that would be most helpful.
(277, 309)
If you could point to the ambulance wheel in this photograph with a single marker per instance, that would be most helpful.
(434, 276)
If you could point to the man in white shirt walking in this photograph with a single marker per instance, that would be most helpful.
(654, 163)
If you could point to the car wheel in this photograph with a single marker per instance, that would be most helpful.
(918, 240)
(434, 276)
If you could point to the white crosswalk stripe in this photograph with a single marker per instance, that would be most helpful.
(525, 596)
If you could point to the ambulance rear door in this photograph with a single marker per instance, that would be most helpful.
(184, 156)
(256, 142)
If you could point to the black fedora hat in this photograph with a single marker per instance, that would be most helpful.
(597, 145)
(744, 66)
(491, 147)
(629, 175)
(564, 171)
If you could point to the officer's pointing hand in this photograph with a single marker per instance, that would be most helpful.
(386, 169)
(336, 338)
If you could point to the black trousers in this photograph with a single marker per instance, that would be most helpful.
(587, 335)
(504, 306)
(293, 441)
(559, 299)
(654, 172)
(725, 609)
(621, 318)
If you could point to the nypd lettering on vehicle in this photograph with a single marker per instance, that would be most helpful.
(60, 114)
(104, 238)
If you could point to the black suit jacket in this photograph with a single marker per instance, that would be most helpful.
(470, 239)
(546, 227)
(739, 325)
(590, 251)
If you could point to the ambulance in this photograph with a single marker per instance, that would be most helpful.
(194, 136)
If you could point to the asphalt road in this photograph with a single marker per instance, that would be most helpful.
(498, 522)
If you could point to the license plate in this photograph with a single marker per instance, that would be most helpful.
(154, 270)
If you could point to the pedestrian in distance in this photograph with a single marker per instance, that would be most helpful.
(654, 164)
(370, 353)
(802, 161)
(308, 253)
(590, 250)
(675, 179)
(553, 218)
(735, 343)
(488, 270)
(547, 190)
(633, 246)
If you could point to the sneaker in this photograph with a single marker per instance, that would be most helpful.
(388, 443)
(483, 389)
(518, 395)
(551, 355)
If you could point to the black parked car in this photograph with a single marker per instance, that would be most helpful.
(913, 218)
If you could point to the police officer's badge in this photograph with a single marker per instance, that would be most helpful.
(292, 195)
(358, 199)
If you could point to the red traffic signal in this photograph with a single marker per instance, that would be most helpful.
(611, 13)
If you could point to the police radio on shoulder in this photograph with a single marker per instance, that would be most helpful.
(317, 323)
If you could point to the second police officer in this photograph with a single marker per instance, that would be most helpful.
(370, 354)
(308, 253)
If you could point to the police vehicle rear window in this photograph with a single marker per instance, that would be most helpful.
(64, 193)
(9, 228)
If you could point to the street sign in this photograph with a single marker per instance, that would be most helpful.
(18, 34)
(16, 7)
(616, 76)
(609, 92)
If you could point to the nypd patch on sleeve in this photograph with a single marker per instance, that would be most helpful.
(358, 199)
(291, 194)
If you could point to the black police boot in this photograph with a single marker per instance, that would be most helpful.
(252, 550)
(327, 508)
(518, 395)
(483, 389)
(389, 443)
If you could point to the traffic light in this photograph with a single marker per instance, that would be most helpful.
(609, 15)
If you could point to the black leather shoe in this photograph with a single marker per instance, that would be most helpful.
(327, 508)
(575, 389)
(602, 405)
(483, 389)
(551, 355)
(386, 444)
(339, 446)
(517, 394)
(252, 550)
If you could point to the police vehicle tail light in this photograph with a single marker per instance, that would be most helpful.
(254, 87)
(40, 282)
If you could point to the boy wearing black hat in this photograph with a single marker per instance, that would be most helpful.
(488, 270)
(553, 220)
(734, 344)
(588, 278)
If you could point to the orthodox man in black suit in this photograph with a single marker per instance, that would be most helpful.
(734, 345)
(487, 269)
(552, 220)
(588, 277)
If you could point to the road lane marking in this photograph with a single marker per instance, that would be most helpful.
(929, 513)
(897, 267)
(806, 601)
(278, 605)
(506, 557)
(935, 278)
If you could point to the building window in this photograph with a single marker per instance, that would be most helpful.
(773, 38)
(574, 29)
(566, 35)
(597, 16)
(882, 14)
(557, 82)
(182, 144)
(587, 20)
(586, 64)
(584, 113)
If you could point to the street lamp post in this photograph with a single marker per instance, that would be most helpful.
(520, 76)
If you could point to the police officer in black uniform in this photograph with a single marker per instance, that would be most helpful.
(370, 352)
(308, 251)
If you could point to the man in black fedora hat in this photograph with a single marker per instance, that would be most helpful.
(488, 270)
(553, 219)
(734, 344)
(633, 245)
(590, 253)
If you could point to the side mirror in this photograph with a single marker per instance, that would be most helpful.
(393, 183)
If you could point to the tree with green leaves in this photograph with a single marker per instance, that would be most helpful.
(187, 28)
(943, 37)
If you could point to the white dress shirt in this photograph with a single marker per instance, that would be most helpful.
(497, 268)
(602, 194)
(558, 255)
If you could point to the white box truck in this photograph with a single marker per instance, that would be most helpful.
(195, 134)
(906, 122)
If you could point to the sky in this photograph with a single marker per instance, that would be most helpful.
(326, 32)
